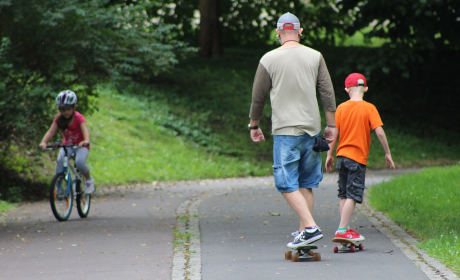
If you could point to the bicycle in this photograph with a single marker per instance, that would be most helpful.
(64, 187)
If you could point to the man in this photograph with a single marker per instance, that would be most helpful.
(291, 73)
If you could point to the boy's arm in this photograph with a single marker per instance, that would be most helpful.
(383, 140)
(330, 154)
(48, 136)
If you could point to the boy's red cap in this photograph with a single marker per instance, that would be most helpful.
(355, 79)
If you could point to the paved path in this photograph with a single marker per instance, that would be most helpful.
(239, 228)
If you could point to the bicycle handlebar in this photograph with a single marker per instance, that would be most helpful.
(59, 145)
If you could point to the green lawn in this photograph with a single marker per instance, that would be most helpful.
(427, 205)
(129, 146)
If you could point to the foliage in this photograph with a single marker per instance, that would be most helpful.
(426, 204)
(251, 22)
(51, 45)
(413, 25)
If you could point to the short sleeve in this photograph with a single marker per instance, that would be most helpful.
(337, 117)
(374, 118)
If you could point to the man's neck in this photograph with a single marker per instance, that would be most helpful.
(290, 42)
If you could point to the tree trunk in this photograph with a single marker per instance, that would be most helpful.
(210, 40)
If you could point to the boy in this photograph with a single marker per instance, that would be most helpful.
(354, 119)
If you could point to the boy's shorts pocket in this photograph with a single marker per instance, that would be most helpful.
(280, 178)
(357, 192)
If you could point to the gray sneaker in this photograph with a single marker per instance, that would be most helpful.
(305, 238)
(89, 186)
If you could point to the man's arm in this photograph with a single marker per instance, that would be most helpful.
(260, 90)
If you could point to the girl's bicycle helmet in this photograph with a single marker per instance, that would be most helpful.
(66, 98)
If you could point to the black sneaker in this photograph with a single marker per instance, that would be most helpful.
(305, 238)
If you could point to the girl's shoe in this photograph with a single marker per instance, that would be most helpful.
(89, 186)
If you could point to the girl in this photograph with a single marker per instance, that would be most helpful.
(75, 131)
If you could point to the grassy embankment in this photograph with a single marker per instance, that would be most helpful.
(426, 205)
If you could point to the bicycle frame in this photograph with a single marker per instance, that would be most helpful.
(73, 169)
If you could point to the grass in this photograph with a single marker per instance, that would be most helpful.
(426, 205)
(132, 144)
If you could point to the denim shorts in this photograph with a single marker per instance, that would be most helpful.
(295, 164)
(351, 179)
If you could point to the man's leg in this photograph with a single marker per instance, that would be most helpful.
(308, 195)
(299, 204)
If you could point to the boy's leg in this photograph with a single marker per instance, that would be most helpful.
(347, 212)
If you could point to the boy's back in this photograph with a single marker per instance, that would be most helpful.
(355, 119)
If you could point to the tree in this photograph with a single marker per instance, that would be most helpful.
(247, 23)
(210, 40)
(51, 45)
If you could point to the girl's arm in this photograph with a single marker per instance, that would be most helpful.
(48, 136)
(383, 140)
(84, 130)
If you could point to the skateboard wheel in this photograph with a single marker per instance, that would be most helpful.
(336, 249)
(288, 255)
(361, 247)
(316, 257)
(311, 253)
(295, 257)
(352, 248)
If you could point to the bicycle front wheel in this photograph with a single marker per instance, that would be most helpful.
(83, 200)
(61, 197)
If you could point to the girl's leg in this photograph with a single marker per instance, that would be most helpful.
(80, 161)
(60, 161)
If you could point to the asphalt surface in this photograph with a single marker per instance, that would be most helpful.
(239, 231)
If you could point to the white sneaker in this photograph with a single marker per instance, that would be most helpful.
(89, 186)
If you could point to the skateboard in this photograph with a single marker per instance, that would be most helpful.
(347, 243)
(304, 253)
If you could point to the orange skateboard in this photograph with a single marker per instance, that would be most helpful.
(347, 243)
(304, 253)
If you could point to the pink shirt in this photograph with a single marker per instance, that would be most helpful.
(73, 134)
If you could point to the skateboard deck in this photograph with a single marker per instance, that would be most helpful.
(304, 253)
(348, 244)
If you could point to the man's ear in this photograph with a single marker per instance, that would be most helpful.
(300, 32)
(278, 33)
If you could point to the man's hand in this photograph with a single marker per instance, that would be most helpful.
(257, 135)
(329, 134)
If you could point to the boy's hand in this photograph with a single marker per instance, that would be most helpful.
(389, 160)
(42, 146)
(329, 163)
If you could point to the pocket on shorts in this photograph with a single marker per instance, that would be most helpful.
(280, 178)
(358, 192)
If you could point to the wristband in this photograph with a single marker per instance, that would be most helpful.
(333, 126)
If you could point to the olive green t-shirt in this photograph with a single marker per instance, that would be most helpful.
(292, 75)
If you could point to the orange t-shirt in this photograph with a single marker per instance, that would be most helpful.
(355, 119)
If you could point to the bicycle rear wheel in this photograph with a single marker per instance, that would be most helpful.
(61, 197)
(83, 200)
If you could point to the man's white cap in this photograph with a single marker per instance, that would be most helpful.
(290, 19)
